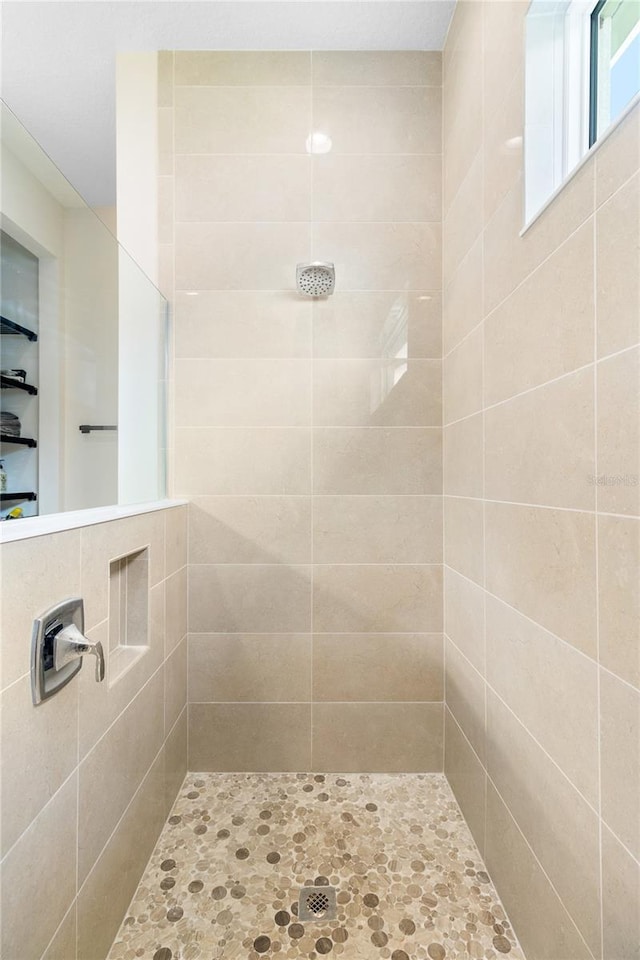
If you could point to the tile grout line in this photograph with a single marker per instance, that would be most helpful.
(312, 434)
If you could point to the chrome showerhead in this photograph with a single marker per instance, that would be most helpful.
(316, 279)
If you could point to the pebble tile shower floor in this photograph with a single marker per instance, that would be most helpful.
(224, 879)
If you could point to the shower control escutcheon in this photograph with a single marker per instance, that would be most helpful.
(58, 645)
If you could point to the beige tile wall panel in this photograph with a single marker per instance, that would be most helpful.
(379, 67)
(618, 269)
(63, 945)
(462, 378)
(618, 157)
(250, 529)
(462, 300)
(620, 748)
(464, 537)
(620, 898)
(618, 489)
(463, 457)
(241, 68)
(467, 777)
(619, 596)
(465, 696)
(250, 736)
(464, 616)
(252, 667)
(503, 145)
(377, 666)
(377, 737)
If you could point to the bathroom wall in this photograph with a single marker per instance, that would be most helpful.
(541, 395)
(88, 777)
(307, 437)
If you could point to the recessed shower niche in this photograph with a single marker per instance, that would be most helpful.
(128, 611)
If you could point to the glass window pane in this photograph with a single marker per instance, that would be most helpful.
(617, 37)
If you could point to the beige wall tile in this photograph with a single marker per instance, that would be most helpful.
(107, 891)
(376, 393)
(165, 209)
(464, 616)
(165, 141)
(364, 529)
(377, 598)
(370, 187)
(561, 828)
(375, 737)
(551, 687)
(618, 157)
(378, 324)
(503, 39)
(228, 119)
(463, 298)
(104, 542)
(250, 530)
(463, 466)
(165, 78)
(377, 666)
(243, 461)
(63, 946)
(463, 220)
(502, 159)
(508, 258)
(539, 447)
(525, 890)
(464, 537)
(620, 898)
(176, 609)
(618, 269)
(366, 460)
(462, 95)
(249, 736)
(375, 256)
(619, 593)
(255, 667)
(175, 760)
(175, 685)
(175, 532)
(242, 68)
(545, 328)
(242, 393)
(377, 67)
(378, 119)
(251, 188)
(466, 777)
(39, 747)
(465, 696)
(242, 323)
(104, 796)
(43, 859)
(462, 376)
(618, 484)
(35, 574)
(620, 753)
(542, 562)
(249, 599)
(228, 256)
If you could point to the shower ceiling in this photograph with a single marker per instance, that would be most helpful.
(58, 58)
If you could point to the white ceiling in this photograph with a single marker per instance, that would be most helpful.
(58, 57)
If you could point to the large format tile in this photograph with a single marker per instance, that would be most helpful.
(620, 753)
(378, 119)
(619, 596)
(242, 393)
(618, 157)
(250, 530)
(466, 777)
(377, 67)
(370, 529)
(253, 68)
(539, 447)
(462, 378)
(464, 537)
(372, 256)
(618, 269)
(251, 461)
(240, 598)
(561, 828)
(251, 188)
(249, 736)
(369, 187)
(465, 696)
(372, 737)
(232, 256)
(542, 562)
(43, 859)
(527, 893)
(464, 616)
(175, 533)
(377, 393)
(463, 457)
(375, 324)
(175, 685)
(254, 667)
(377, 666)
(377, 460)
(620, 899)
(551, 687)
(618, 477)
(228, 119)
(462, 299)
(377, 598)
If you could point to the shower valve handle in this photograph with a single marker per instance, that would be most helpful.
(71, 645)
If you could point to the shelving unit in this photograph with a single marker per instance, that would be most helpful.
(6, 383)
(10, 329)
(6, 439)
(13, 497)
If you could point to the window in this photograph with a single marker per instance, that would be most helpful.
(582, 74)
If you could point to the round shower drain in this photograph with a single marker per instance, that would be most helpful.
(317, 904)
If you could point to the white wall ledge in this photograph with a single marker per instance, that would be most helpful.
(12, 530)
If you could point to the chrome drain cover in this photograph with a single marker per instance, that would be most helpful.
(317, 903)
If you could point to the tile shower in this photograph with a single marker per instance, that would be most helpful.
(396, 569)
